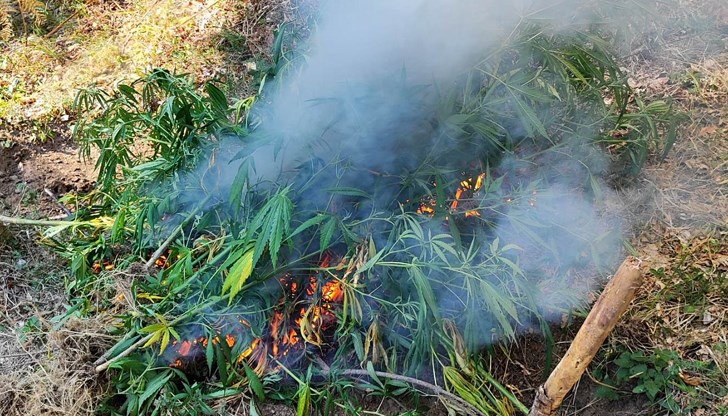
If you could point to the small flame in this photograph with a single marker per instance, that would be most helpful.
(469, 185)
(333, 292)
(428, 208)
(249, 351)
(161, 262)
(98, 266)
(309, 323)
(184, 349)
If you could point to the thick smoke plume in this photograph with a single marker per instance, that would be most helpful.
(358, 96)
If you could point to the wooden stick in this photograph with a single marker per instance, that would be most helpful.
(60, 25)
(605, 313)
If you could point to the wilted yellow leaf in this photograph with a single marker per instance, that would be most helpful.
(239, 273)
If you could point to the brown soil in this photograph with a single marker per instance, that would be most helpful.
(28, 169)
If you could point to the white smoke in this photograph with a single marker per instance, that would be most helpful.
(320, 108)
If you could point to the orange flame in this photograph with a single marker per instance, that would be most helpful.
(428, 207)
(287, 333)
(98, 266)
(184, 349)
(470, 185)
(333, 292)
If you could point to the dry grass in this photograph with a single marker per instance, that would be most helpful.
(43, 371)
(683, 300)
(683, 307)
(680, 208)
(110, 42)
(46, 369)
(687, 191)
(59, 378)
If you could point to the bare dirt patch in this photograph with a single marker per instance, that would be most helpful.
(27, 169)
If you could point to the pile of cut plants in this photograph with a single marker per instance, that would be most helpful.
(383, 237)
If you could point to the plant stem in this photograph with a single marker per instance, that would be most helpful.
(174, 233)
(105, 355)
(123, 354)
(520, 406)
(136, 345)
(410, 380)
(46, 223)
(417, 382)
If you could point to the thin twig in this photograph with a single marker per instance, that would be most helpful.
(55, 199)
(22, 18)
(60, 25)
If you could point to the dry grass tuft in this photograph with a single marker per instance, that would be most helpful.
(110, 42)
(59, 380)
(683, 300)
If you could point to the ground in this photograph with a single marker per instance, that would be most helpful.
(677, 208)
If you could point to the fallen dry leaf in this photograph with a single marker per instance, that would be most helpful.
(708, 131)
(719, 261)
(690, 380)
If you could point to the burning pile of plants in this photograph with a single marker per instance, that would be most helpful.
(385, 228)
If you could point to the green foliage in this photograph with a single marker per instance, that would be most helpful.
(283, 57)
(271, 225)
(651, 129)
(660, 375)
(149, 129)
(410, 277)
(239, 273)
(689, 376)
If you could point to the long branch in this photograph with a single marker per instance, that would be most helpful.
(411, 380)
